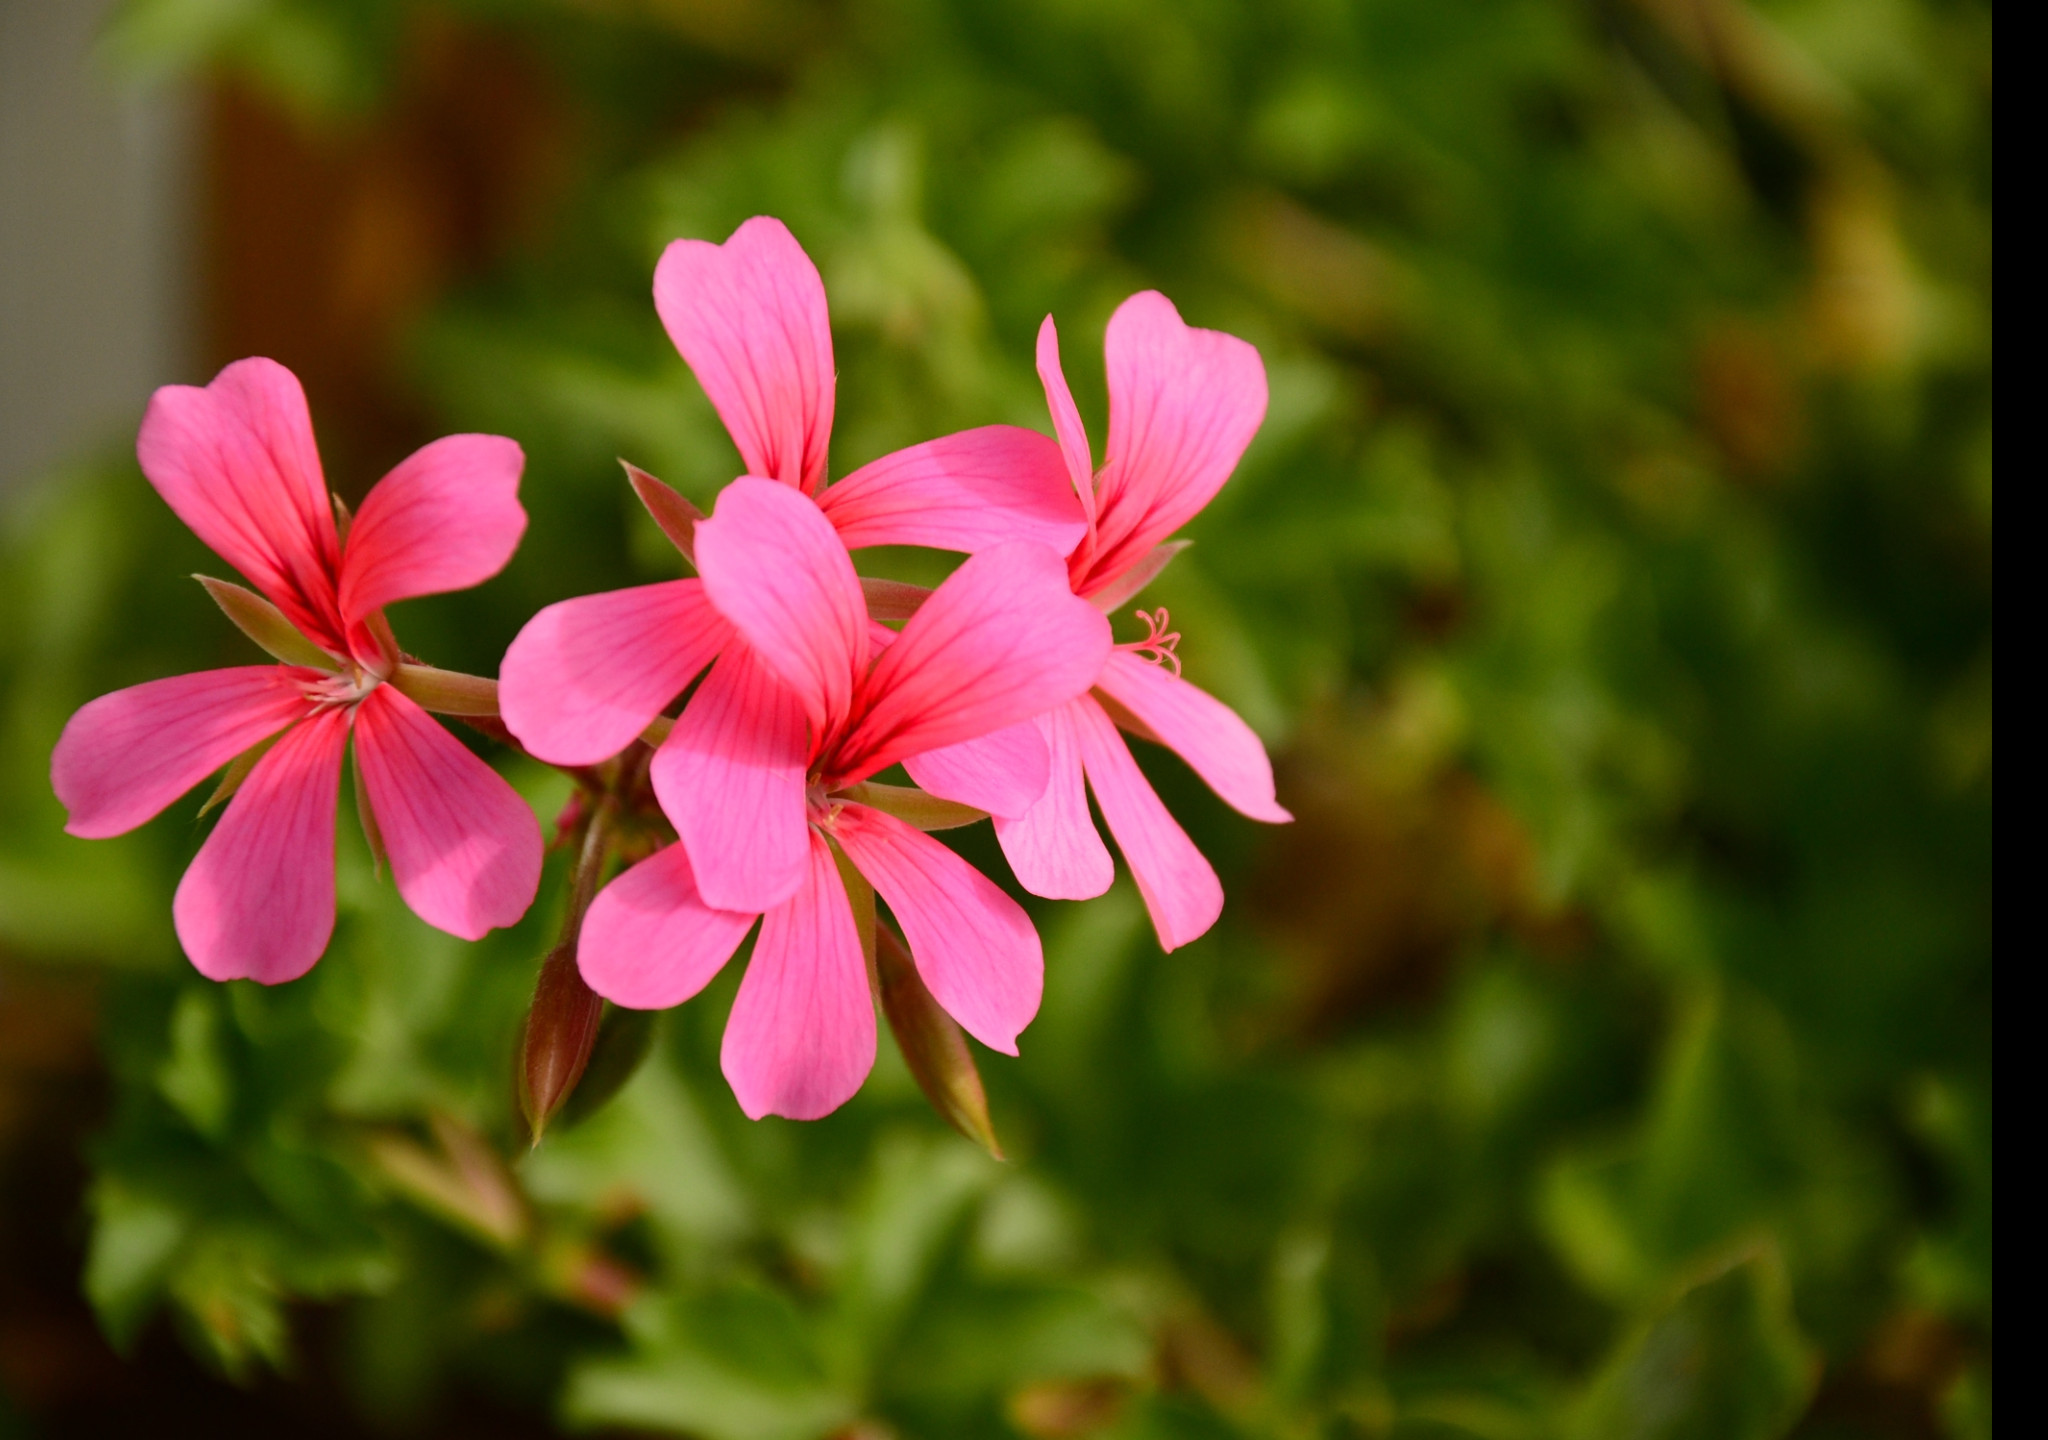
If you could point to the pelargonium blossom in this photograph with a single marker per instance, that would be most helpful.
(236, 460)
(587, 675)
(796, 713)
(1183, 405)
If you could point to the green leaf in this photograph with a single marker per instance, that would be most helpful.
(735, 1364)
(135, 1239)
(195, 1076)
(1724, 1361)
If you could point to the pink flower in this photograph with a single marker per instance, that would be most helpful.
(587, 675)
(1183, 404)
(237, 462)
(758, 777)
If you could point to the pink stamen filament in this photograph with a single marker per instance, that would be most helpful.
(1159, 642)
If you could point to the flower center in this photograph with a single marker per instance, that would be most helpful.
(349, 688)
(1158, 644)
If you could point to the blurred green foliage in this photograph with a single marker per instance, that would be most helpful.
(1605, 1052)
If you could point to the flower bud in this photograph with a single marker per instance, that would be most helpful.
(932, 1044)
(561, 1029)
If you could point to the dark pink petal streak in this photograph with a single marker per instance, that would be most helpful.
(1002, 640)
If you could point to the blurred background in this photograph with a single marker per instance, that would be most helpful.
(1605, 1051)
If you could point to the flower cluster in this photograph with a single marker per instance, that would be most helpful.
(1001, 695)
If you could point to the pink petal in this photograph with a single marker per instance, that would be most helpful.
(257, 902)
(587, 675)
(650, 941)
(1199, 728)
(960, 492)
(1003, 772)
(730, 777)
(447, 517)
(1066, 419)
(974, 945)
(774, 567)
(125, 756)
(1053, 847)
(1002, 640)
(801, 1037)
(236, 461)
(465, 849)
(1181, 891)
(749, 317)
(1183, 404)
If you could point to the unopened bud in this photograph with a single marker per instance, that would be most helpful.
(264, 623)
(932, 1044)
(570, 821)
(676, 516)
(561, 1028)
(625, 1038)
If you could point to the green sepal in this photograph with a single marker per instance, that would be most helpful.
(238, 770)
(264, 623)
(915, 807)
(676, 516)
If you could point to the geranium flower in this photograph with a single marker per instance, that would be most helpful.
(587, 675)
(797, 712)
(237, 462)
(1183, 404)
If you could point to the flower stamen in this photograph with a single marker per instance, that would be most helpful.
(1159, 642)
(333, 691)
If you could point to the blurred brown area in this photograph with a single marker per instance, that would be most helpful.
(322, 244)
(1399, 860)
